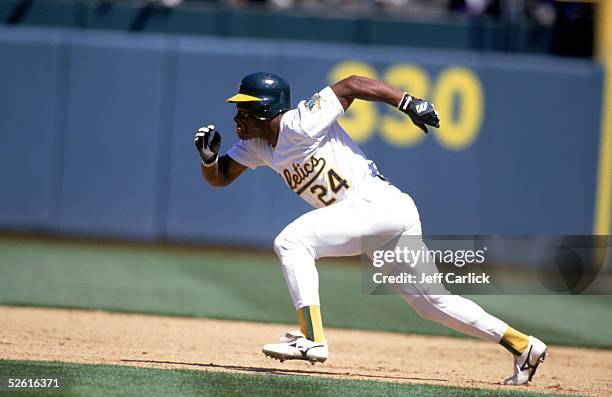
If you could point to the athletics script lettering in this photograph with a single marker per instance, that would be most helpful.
(295, 179)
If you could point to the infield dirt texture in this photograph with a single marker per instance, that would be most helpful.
(248, 286)
(94, 337)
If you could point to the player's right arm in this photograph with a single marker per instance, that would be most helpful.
(218, 171)
(223, 172)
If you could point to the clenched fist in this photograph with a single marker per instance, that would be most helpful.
(208, 142)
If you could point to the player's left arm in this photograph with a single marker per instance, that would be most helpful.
(420, 111)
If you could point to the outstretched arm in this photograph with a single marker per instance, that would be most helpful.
(421, 112)
(218, 171)
(357, 87)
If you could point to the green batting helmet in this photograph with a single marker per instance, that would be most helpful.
(264, 94)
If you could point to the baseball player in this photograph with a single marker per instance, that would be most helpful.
(318, 160)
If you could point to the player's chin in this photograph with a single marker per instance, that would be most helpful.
(244, 134)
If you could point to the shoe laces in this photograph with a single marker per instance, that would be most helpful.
(291, 336)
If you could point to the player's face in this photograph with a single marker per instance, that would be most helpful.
(247, 126)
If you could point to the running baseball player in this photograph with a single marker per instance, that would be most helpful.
(318, 160)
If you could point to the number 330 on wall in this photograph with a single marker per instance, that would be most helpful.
(457, 95)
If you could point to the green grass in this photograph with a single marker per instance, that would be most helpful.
(112, 380)
(245, 286)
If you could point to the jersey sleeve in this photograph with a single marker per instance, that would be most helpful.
(315, 114)
(245, 152)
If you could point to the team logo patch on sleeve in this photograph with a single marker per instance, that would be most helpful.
(313, 103)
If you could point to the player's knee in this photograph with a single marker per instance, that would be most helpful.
(287, 244)
(281, 244)
(426, 306)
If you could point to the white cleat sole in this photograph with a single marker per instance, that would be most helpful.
(294, 346)
(282, 358)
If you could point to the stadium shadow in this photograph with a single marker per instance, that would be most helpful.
(281, 371)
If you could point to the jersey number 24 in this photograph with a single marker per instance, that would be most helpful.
(336, 183)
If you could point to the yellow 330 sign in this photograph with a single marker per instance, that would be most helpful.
(456, 93)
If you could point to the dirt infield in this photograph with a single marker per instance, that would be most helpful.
(213, 345)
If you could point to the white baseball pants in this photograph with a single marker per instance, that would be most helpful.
(380, 209)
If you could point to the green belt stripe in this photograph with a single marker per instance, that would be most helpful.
(308, 323)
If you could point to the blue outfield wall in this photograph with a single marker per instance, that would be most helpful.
(31, 97)
(112, 136)
(97, 135)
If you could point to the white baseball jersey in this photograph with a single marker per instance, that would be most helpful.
(315, 157)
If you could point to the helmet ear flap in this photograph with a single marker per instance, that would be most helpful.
(265, 110)
(261, 110)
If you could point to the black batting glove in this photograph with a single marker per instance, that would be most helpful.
(421, 112)
(208, 142)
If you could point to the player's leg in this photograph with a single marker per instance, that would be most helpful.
(335, 231)
(434, 302)
(467, 317)
(458, 313)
